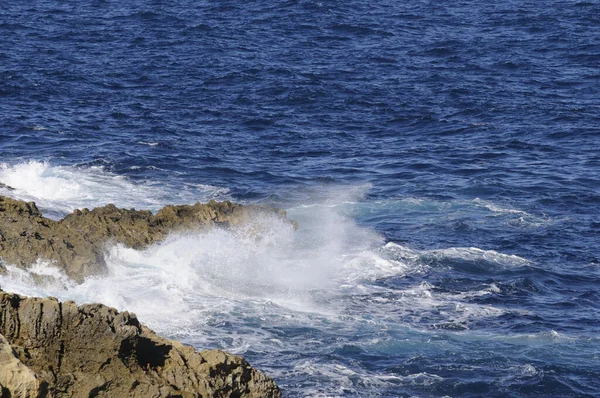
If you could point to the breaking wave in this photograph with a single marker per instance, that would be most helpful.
(59, 190)
(333, 284)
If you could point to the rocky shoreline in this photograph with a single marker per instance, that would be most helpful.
(76, 244)
(54, 349)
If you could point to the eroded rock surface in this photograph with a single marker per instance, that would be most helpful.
(77, 242)
(16, 379)
(54, 349)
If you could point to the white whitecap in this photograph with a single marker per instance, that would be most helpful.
(477, 254)
(496, 208)
(147, 143)
(58, 190)
(457, 253)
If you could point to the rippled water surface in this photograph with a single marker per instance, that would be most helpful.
(441, 158)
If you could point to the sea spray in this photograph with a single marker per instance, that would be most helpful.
(308, 304)
(58, 190)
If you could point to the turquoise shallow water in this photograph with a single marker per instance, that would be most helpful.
(441, 161)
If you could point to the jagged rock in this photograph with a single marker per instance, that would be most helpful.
(77, 242)
(62, 350)
(16, 379)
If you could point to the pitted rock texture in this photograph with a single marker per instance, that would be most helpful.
(77, 243)
(54, 349)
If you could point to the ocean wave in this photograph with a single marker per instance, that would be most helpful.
(425, 307)
(238, 288)
(350, 381)
(449, 211)
(330, 266)
(496, 208)
(471, 254)
(59, 190)
(265, 260)
(147, 143)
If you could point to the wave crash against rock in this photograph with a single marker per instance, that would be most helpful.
(76, 244)
(54, 349)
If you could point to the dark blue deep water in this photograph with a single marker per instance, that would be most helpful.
(442, 159)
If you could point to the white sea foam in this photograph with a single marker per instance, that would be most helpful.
(513, 216)
(476, 254)
(147, 143)
(265, 260)
(326, 267)
(457, 253)
(496, 208)
(58, 190)
(351, 382)
(347, 379)
(236, 288)
(333, 196)
(422, 305)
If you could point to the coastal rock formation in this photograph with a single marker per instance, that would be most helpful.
(54, 349)
(16, 379)
(76, 243)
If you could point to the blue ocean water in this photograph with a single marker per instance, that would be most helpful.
(441, 158)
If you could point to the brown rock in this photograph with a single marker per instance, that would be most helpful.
(77, 242)
(16, 378)
(62, 350)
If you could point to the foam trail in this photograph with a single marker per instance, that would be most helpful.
(472, 254)
(59, 190)
(497, 209)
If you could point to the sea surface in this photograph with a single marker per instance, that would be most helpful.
(441, 159)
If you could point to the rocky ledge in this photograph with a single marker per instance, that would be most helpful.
(54, 349)
(76, 244)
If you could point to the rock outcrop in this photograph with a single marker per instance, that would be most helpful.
(54, 349)
(76, 243)
(16, 379)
